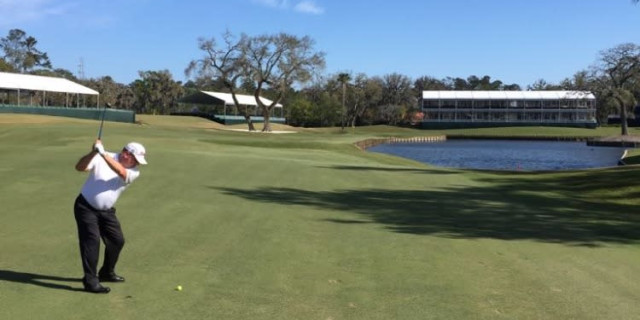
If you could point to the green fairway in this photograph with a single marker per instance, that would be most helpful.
(306, 226)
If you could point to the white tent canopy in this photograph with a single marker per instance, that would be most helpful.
(210, 97)
(243, 99)
(18, 82)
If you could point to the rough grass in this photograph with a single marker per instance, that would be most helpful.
(305, 226)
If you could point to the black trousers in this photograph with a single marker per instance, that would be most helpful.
(93, 225)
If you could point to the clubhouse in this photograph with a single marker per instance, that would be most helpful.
(466, 109)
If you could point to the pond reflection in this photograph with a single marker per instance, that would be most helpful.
(506, 154)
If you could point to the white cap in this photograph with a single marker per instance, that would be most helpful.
(137, 150)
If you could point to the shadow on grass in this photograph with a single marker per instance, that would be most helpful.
(613, 183)
(548, 208)
(38, 280)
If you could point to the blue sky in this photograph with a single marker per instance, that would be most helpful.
(515, 41)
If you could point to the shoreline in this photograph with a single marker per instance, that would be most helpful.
(613, 141)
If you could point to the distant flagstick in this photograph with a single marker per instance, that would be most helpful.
(104, 110)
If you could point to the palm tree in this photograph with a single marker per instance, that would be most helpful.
(344, 78)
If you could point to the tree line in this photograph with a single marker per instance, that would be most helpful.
(289, 70)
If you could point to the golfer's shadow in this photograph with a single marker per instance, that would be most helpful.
(38, 280)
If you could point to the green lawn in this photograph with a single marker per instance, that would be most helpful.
(306, 226)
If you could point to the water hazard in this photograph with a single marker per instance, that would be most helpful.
(506, 154)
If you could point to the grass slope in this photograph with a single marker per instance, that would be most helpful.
(305, 226)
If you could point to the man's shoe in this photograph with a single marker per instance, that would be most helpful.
(98, 288)
(111, 278)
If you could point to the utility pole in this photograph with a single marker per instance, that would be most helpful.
(81, 69)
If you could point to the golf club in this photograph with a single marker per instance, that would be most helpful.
(106, 105)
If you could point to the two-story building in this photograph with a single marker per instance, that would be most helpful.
(473, 109)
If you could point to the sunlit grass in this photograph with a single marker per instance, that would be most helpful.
(306, 226)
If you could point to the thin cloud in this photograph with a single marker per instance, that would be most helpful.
(273, 3)
(309, 6)
(304, 6)
(18, 11)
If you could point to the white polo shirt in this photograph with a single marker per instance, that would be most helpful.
(104, 186)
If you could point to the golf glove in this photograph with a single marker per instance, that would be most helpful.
(98, 148)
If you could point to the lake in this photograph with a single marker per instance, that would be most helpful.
(506, 154)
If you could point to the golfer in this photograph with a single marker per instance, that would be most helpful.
(109, 175)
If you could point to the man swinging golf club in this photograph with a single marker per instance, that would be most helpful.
(109, 175)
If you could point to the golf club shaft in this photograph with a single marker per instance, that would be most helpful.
(104, 110)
